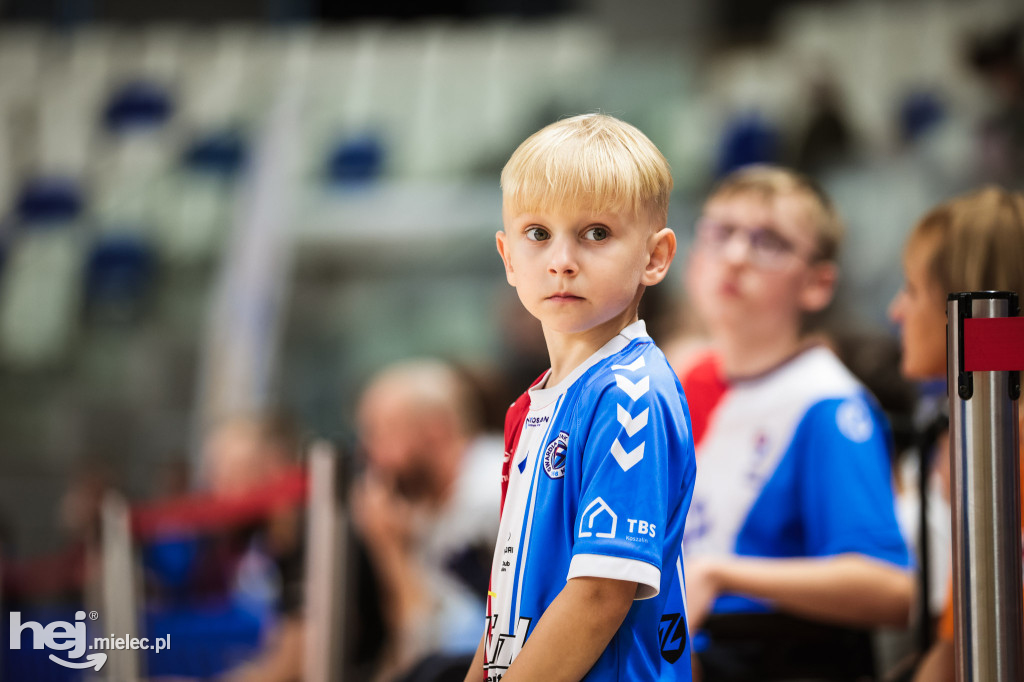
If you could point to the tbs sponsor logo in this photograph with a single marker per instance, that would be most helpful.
(641, 528)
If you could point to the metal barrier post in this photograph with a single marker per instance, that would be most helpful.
(118, 585)
(326, 574)
(987, 595)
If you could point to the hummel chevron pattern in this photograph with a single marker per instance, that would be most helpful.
(634, 391)
(630, 423)
(632, 367)
(627, 459)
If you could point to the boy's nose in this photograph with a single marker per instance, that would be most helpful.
(563, 259)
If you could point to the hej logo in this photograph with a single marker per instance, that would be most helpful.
(59, 636)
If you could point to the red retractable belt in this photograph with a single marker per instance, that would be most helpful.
(205, 512)
(993, 344)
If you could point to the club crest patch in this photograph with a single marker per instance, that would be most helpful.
(554, 455)
(854, 421)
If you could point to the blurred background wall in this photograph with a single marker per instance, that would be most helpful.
(220, 205)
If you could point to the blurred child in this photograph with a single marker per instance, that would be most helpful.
(587, 578)
(792, 535)
(971, 243)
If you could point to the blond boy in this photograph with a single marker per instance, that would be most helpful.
(587, 578)
(793, 516)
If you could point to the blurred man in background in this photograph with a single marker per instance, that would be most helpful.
(425, 510)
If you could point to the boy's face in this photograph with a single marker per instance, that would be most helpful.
(578, 271)
(752, 269)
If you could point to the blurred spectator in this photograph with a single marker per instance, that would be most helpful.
(255, 570)
(826, 140)
(972, 243)
(792, 543)
(998, 59)
(242, 454)
(425, 509)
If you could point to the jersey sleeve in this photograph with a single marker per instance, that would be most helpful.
(625, 491)
(846, 482)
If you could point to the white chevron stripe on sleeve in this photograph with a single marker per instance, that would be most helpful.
(625, 459)
(630, 423)
(634, 391)
(633, 366)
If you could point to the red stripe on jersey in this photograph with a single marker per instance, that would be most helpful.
(704, 386)
(514, 420)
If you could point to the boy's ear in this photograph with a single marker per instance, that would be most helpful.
(506, 257)
(661, 250)
(819, 287)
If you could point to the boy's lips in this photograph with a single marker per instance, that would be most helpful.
(564, 297)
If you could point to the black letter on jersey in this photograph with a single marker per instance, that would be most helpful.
(673, 642)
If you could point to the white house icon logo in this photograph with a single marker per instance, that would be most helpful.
(595, 522)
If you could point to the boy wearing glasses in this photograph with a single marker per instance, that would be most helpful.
(587, 578)
(792, 540)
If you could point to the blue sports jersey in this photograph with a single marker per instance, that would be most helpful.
(599, 485)
(794, 463)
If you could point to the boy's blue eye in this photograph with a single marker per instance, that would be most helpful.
(536, 234)
(596, 234)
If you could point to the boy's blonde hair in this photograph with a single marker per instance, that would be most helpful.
(592, 161)
(977, 241)
(769, 182)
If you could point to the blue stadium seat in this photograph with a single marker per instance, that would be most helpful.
(119, 273)
(137, 105)
(748, 139)
(48, 201)
(355, 160)
(222, 153)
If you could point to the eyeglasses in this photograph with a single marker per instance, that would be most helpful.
(767, 248)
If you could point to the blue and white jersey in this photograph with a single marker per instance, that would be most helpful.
(794, 463)
(599, 485)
